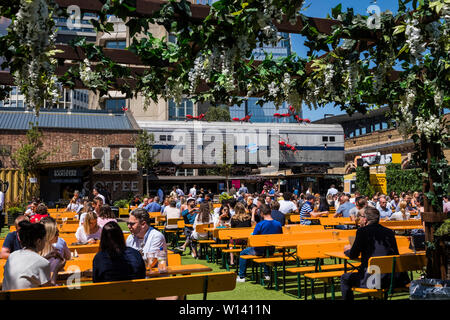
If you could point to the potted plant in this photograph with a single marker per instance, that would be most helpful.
(123, 206)
(13, 212)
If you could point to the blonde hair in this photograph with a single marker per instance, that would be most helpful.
(51, 231)
(89, 216)
(240, 213)
(402, 206)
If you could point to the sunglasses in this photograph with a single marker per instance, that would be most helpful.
(131, 223)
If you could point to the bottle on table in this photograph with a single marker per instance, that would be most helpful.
(162, 260)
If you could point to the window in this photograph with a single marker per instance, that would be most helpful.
(324, 139)
(332, 139)
(179, 112)
(116, 44)
(165, 137)
(115, 104)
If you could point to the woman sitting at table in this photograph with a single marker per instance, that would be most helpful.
(49, 252)
(204, 217)
(74, 205)
(403, 214)
(41, 212)
(115, 261)
(90, 231)
(240, 219)
(25, 268)
(222, 218)
(105, 215)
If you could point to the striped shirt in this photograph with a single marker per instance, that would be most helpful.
(305, 212)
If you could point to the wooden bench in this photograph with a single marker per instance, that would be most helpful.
(391, 265)
(142, 289)
(292, 228)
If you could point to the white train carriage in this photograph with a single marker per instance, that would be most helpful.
(202, 144)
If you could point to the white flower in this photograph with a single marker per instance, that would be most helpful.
(428, 127)
(414, 39)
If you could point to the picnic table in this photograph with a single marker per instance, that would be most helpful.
(293, 244)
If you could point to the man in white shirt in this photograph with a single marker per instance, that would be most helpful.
(332, 190)
(193, 191)
(147, 240)
(97, 194)
(287, 205)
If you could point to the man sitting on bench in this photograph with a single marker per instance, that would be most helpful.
(372, 240)
(266, 226)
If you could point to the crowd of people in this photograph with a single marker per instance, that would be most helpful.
(36, 253)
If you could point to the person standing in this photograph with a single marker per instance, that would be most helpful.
(160, 194)
(332, 190)
(96, 193)
(193, 191)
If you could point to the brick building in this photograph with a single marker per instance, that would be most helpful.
(87, 148)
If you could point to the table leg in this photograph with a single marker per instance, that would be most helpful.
(284, 270)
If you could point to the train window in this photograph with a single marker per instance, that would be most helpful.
(169, 137)
(162, 138)
(332, 139)
(324, 139)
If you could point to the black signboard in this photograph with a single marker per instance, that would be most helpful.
(63, 173)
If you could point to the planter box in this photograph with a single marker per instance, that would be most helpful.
(12, 217)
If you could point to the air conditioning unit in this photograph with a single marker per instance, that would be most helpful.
(127, 159)
(104, 155)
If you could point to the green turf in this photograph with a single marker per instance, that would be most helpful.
(250, 290)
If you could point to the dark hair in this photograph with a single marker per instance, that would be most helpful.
(112, 240)
(41, 209)
(361, 202)
(141, 214)
(29, 233)
(232, 202)
(265, 210)
(287, 196)
(323, 204)
(275, 205)
(106, 212)
(48, 218)
(204, 212)
(97, 199)
(173, 203)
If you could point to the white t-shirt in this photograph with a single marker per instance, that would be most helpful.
(202, 235)
(399, 216)
(25, 263)
(287, 206)
(193, 192)
(332, 191)
(2, 200)
(83, 237)
(171, 213)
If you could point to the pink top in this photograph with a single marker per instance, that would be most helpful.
(101, 222)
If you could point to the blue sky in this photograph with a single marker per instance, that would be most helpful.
(320, 9)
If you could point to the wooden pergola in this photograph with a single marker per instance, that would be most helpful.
(146, 8)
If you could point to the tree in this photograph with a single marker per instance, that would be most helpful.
(28, 157)
(218, 114)
(146, 155)
(401, 61)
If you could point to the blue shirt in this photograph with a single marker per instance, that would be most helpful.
(12, 242)
(160, 195)
(153, 207)
(345, 209)
(266, 227)
(126, 266)
(278, 216)
(188, 218)
(307, 208)
(384, 213)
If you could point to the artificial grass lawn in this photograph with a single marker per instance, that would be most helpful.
(250, 290)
